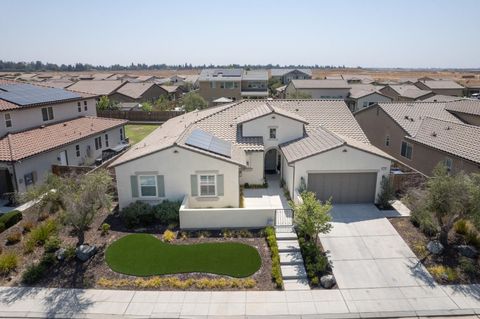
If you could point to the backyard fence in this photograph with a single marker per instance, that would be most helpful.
(403, 182)
(139, 116)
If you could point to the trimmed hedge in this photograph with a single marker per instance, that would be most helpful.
(272, 243)
(142, 214)
(9, 219)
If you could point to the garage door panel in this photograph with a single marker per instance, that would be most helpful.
(344, 187)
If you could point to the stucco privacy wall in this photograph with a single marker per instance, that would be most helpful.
(177, 165)
(338, 161)
(254, 173)
(215, 218)
(287, 129)
(42, 163)
(29, 117)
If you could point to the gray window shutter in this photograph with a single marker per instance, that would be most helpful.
(161, 186)
(220, 191)
(194, 184)
(134, 185)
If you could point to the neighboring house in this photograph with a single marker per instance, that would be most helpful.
(443, 87)
(254, 84)
(138, 92)
(472, 86)
(187, 81)
(44, 126)
(319, 89)
(58, 83)
(365, 95)
(467, 110)
(146, 78)
(174, 91)
(287, 75)
(312, 143)
(233, 84)
(422, 134)
(102, 76)
(98, 88)
(405, 92)
(441, 98)
(357, 79)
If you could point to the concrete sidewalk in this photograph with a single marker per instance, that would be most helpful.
(342, 303)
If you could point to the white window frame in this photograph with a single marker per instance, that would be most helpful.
(50, 115)
(79, 106)
(77, 150)
(8, 120)
(139, 178)
(406, 152)
(98, 145)
(207, 184)
(270, 133)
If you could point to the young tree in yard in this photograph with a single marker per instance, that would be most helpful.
(163, 104)
(105, 103)
(387, 193)
(451, 198)
(47, 197)
(83, 197)
(312, 217)
(147, 106)
(193, 101)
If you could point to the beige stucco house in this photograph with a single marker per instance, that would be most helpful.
(423, 134)
(318, 89)
(42, 126)
(365, 95)
(443, 87)
(285, 76)
(203, 157)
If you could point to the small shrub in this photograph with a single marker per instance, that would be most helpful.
(203, 234)
(461, 227)
(27, 226)
(8, 262)
(43, 216)
(420, 250)
(142, 214)
(48, 259)
(167, 212)
(472, 238)
(9, 219)
(168, 236)
(272, 243)
(422, 219)
(174, 282)
(184, 235)
(445, 273)
(70, 252)
(105, 229)
(14, 238)
(227, 233)
(52, 244)
(39, 235)
(387, 193)
(33, 273)
(314, 281)
(244, 233)
(467, 266)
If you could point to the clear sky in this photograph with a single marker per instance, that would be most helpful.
(368, 33)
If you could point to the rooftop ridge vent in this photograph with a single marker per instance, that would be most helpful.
(434, 134)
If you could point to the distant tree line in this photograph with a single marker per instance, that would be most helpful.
(37, 66)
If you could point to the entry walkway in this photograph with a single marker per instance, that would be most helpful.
(272, 196)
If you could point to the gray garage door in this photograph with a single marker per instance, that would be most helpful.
(344, 187)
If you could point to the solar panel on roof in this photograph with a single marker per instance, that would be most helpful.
(207, 142)
(27, 94)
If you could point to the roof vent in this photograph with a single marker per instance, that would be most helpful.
(434, 134)
(448, 128)
(296, 110)
(64, 124)
(406, 117)
(412, 120)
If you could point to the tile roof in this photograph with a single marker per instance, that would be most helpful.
(360, 90)
(467, 106)
(267, 108)
(102, 87)
(442, 84)
(282, 72)
(457, 139)
(409, 90)
(320, 84)
(255, 75)
(17, 146)
(441, 98)
(135, 90)
(409, 115)
(221, 121)
(170, 88)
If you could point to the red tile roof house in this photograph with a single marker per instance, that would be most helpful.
(42, 126)
(203, 157)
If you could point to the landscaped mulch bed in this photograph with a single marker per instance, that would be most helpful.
(75, 274)
(417, 241)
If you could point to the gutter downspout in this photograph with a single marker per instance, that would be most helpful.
(13, 163)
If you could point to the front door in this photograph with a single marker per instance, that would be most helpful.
(271, 161)
(63, 158)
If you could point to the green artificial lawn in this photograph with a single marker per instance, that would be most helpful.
(145, 255)
(137, 132)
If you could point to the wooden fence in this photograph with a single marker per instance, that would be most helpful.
(139, 116)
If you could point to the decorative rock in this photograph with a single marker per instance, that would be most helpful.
(467, 251)
(435, 247)
(327, 281)
(60, 254)
(85, 252)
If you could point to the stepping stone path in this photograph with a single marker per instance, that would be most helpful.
(291, 261)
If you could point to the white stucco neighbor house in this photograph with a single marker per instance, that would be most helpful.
(203, 157)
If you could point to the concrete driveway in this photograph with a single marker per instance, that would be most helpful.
(367, 252)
